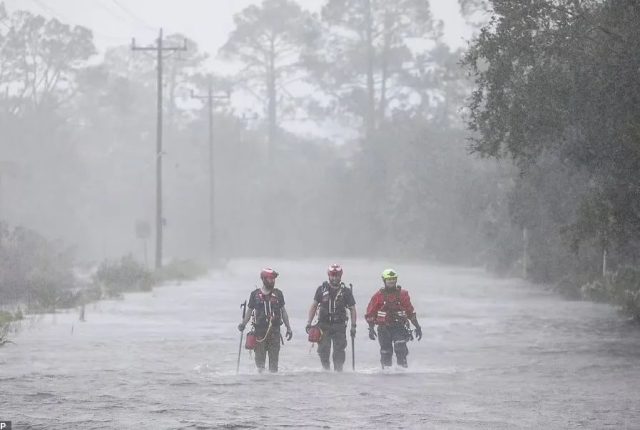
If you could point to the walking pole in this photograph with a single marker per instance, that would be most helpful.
(244, 308)
(353, 341)
(353, 353)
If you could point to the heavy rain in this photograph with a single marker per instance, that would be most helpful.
(387, 214)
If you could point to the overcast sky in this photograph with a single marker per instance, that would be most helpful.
(208, 22)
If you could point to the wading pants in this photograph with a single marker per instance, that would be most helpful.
(393, 337)
(335, 333)
(270, 345)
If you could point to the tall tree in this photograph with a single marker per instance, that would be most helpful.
(41, 58)
(181, 68)
(475, 12)
(268, 41)
(557, 80)
(368, 47)
(40, 61)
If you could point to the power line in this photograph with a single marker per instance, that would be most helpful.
(113, 14)
(122, 14)
(141, 23)
(60, 17)
(132, 15)
(110, 11)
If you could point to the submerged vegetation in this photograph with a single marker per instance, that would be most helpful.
(115, 278)
(36, 276)
(8, 323)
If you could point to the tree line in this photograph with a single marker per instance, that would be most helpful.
(552, 97)
(557, 92)
(78, 137)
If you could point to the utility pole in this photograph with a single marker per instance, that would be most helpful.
(525, 252)
(210, 97)
(159, 48)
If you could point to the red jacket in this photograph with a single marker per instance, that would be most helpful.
(386, 308)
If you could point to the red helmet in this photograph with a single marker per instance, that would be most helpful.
(268, 273)
(334, 270)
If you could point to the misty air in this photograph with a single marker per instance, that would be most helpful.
(319, 214)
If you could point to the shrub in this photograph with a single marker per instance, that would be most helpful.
(596, 291)
(180, 270)
(626, 290)
(33, 269)
(5, 318)
(621, 288)
(91, 293)
(7, 323)
(115, 278)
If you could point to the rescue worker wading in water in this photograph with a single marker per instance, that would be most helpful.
(333, 298)
(391, 309)
(266, 307)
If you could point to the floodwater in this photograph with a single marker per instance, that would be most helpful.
(496, 354)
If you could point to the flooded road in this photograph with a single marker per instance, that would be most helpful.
(496, 354)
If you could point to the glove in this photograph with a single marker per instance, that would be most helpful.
(307, 328)
(353, 331)
(372, 333)
(289, 334)
(241, 326)
(418, 332)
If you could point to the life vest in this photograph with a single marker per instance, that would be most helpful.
(333, 309)
(267, 309)
(392, 311)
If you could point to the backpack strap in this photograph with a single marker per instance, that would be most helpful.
(325, 286)
(333, 300)
(386, 295)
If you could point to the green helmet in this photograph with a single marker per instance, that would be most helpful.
(389, 274)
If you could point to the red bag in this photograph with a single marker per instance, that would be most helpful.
(251, 341)
(315, 334)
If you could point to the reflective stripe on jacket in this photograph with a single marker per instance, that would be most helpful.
(386, 307)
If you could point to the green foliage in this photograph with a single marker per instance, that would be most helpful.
(270, 40)
(598, 290)
(557, 92)
(366, 64)
(430, 198)
(8, 324)
(113, 278)
(41, 61)
(125, 275)
(621, 287)
(5, 317)
(4, 333)
(33, 270)
(625, 290)
(41, 57)
(272, 31)
(471, 9)
(407, 189)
